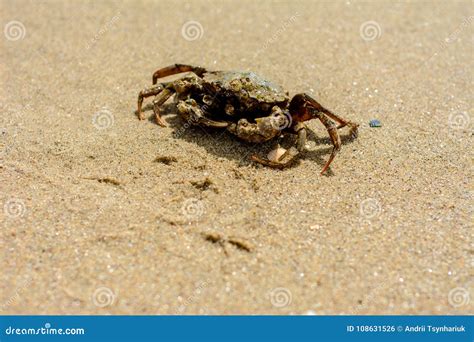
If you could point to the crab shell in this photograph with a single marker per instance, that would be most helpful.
(246, 94)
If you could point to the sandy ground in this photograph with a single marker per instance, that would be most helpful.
(93, 223)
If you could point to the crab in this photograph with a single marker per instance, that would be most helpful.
(246, 105)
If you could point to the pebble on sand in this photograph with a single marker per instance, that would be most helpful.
(375, 123)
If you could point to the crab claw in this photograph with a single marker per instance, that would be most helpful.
(159, 120)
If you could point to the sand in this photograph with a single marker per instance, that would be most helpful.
(106, 214)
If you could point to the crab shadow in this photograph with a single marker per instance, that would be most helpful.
(223, 144)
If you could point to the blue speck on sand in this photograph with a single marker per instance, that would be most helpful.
(375, 123)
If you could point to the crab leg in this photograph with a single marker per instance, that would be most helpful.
(336, 140)
(158, 101)
(304, 107)
(212, 123)
(177, 69)
(155, 90)
(342, 122)
(193, 113)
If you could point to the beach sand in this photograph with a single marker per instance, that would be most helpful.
(106, 214)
